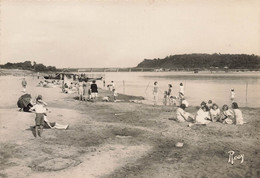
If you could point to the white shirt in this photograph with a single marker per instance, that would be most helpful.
(202, 116)
(232, 95)
(39, 108)
(181, 115)
(182, 89)
(185, 102)
(238, 116)
(214, 113)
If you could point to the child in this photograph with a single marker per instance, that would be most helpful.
(181, 89)
(165, 98)
(227, 116)
(173, 100)
(237, 114)
(155, 92)
(210, 104)
(169, 92)
(115, 94)
(214, 113)
(202, 116)
(183, 116)
(81, 91)
(111, 86)
(232, 94)
(185, 102)
(40, 111)
(24, 84)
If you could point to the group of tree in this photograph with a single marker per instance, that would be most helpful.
(28, 65)
(206, 61)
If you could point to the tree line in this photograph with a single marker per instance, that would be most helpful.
(231, 61)
(28, 65)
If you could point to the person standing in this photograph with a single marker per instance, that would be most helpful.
(94, 90)
(232, 95)
(104, 84)
(24, 84)
(112, 86)
(40, 111)
(156, 90)
(181, 88)
(169, 93)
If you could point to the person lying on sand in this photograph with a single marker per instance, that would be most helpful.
(182, 115)
(54, 125)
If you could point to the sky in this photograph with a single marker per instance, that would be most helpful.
(113, 33)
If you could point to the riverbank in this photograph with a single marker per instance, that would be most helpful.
(122, 139)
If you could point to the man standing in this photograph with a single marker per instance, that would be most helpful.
(24, 84)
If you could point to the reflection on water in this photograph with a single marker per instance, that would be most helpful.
(198, 87)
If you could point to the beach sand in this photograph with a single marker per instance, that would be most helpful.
(122, 139)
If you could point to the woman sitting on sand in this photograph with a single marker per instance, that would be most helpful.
(238, 114)
(214, 112)
(182, 115)
(202, 116)
(227, 116)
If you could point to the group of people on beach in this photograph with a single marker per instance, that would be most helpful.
(209, 112)
(85, 90)
(88, 91)
(168, 98)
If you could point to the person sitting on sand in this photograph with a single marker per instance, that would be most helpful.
(210, 104)
(214, 112)
(173, 100)
(184, 101)
(202, 116)
(227, 115)
(40, 111)
(182, 115)
(238, 114)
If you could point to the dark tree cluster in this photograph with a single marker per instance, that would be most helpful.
(28, 65)
(231, 61)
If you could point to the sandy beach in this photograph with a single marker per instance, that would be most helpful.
(122, 139)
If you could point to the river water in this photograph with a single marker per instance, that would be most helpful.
(199, 87)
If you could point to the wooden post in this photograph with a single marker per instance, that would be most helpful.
(123, 86)
(246, 91)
